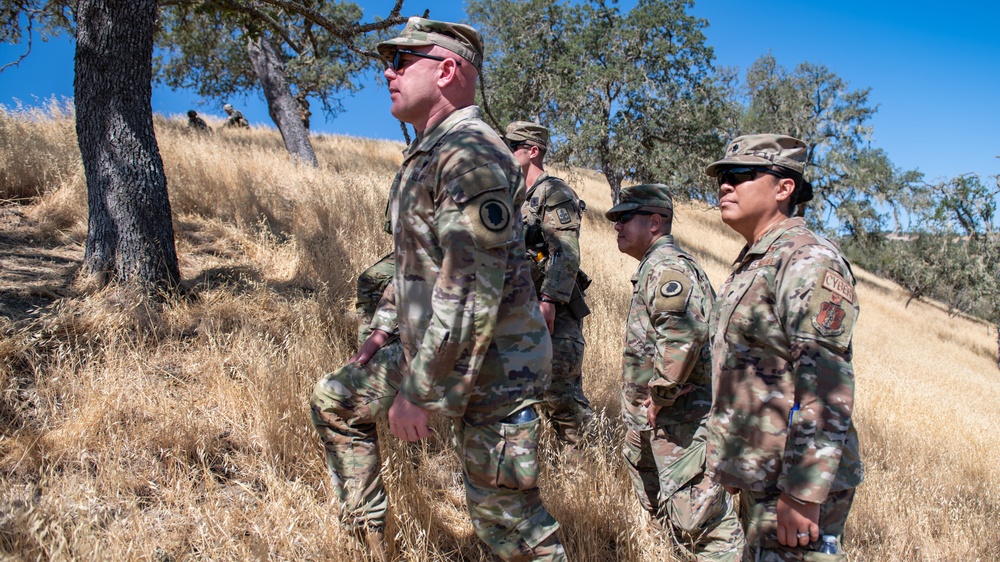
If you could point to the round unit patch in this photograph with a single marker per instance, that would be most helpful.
(671, 288)
(494, 215)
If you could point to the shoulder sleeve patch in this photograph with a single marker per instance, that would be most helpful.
(832, 310)
(490, 220)
(837, 285)
(673, 289)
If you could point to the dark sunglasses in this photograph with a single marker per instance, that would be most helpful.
(514, 145)
(626, 217)
(736, 176)
(397, 63)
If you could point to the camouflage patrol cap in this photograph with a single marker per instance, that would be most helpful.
(651, 197)
(526, 131)
(458, 38)
(763, 150)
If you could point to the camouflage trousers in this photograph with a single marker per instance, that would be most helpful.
(760, 514)
(499, 461)
(565, 406)
(667, 468)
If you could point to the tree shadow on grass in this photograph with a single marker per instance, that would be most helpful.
(36, 268)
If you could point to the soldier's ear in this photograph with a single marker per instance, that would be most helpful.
(784, 189)
(448, 70)
(654, 223)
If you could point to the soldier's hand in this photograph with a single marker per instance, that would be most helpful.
(371, 345)
(408, 421)
(651, 411)
(798, 522)
(548, 313)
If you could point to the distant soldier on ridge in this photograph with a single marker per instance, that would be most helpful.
(196, 123)
(235, 119)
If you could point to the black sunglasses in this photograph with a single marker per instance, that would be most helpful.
(626, 217)
(736, 176)
(514, 145)
(397, 63)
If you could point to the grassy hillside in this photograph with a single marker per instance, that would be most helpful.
(134, 431)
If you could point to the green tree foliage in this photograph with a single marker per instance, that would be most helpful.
(954, 254)
(856, 185)
(967, 205)
(291, 50)
(631, 94)
(203, 46)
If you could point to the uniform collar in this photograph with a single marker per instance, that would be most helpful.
(426, 141)
(538, 182)
(769, 238)
(665, 240)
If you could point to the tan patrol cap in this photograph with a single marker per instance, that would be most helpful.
(526, 131)
(458, 38)
(651, 197)
(763, 150)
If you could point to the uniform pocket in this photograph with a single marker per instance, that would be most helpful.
(517, 455)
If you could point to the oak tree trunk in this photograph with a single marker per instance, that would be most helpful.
(281, 105)
(130, 236)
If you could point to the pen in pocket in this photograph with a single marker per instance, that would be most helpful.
(795, 408)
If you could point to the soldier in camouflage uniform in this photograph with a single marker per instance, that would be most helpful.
(235, 119)
(780, 430)
(666, 381)
(473, 341)
(552, 213)
(196, 123)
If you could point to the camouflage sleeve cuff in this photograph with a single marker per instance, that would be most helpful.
(553, 294)
(663, 392)
(388, 327)
(803, 485)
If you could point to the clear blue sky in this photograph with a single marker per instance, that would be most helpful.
(934, 71)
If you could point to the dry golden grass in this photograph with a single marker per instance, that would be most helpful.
(132, 430)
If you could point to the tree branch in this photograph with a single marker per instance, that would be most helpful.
(346, 33)
(274, 24)
(26, 53)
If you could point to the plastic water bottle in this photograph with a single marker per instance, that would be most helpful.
(829, 545)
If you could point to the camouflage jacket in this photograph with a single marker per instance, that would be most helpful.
(781, 366)
(554, 207)
(666, 349)
(198, 124)
(236, 119)
(473, 337)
